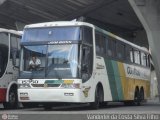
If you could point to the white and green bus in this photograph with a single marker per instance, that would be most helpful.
(81, 63)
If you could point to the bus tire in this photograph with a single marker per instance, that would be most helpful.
(137, 100)
(141, 94)
(12, 100)
(98, 98)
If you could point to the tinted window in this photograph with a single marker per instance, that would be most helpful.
(87, 35)
(98, 37)
(148, 60)
(51, 34)
(137, 56)
(111, 47)
(120, 49)
(129, 54)
(4, 42)
(87, 54)
(143, 59)
(100, 44)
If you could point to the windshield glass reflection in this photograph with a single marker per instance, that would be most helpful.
(50, 61)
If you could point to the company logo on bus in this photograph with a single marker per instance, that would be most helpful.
(60, 42)
(133, 71)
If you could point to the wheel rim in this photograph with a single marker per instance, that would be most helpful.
(141, 95)
(12, 98)
(97, 100)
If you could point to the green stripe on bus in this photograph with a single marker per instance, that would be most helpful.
(118, 80)
(110, 72)
(114, 79)
(54, 81)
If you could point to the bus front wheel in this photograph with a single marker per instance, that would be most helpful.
(12, 99)
(98, 98)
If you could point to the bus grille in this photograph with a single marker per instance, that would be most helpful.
(37, 85)
(53, 85)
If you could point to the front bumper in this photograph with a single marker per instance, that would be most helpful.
(50, 95)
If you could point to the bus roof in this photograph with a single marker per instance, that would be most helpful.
(11, 31)
(77, 23)
(58, 23)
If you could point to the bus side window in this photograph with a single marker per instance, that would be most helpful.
(129, 54)
(144, 59)
(4, 43)
(97, 40)
(120, 50)
(137, 56)
(103, 44)
(100, 41)
(148, 60)
(111, 47)
(109, 50)
(87, 35)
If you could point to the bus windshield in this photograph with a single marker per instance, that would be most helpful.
(49, 61)
(51, 34)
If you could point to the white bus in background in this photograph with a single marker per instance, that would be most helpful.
(9, 67)
(81, 63)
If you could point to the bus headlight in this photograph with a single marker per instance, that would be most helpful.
(24, 86)
(72, 86)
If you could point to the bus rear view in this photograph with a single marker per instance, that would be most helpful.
(50, 63)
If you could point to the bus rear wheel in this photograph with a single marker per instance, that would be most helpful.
(12, 100)
(141, 95)
(137, 98)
